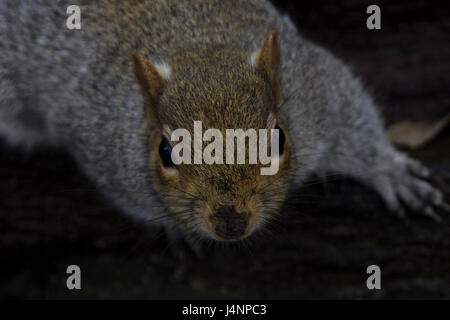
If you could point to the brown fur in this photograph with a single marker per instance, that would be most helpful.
(219, 86)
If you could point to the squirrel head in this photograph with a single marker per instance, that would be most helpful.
(225, 88)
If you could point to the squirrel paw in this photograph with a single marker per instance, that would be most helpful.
(406, 188)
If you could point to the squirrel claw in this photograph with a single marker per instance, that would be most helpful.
(445, 206)
(429, 211)
(406, 186)
(418, 169)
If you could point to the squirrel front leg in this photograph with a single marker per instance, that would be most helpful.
(400, 181)
(350, 141)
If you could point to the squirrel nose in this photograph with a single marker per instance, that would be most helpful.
(228, 223)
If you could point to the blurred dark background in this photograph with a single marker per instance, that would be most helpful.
(51, 217)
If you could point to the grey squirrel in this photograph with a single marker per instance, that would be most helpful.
(112, 92)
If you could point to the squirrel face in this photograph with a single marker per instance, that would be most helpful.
(225, 89)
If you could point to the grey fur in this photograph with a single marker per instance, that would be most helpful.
(76, 89)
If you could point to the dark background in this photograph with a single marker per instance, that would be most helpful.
(51, 217)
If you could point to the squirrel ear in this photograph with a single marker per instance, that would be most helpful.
(268, 62)
(151, 80)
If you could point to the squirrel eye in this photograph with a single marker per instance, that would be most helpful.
(165, 150)
(282, 139)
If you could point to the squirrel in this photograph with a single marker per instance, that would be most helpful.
(112, 93)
